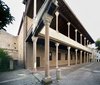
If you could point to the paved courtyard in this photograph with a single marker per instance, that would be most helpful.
(85, 74)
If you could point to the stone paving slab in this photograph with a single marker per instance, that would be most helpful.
(84, 74)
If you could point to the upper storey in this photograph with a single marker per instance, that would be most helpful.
(65, 15)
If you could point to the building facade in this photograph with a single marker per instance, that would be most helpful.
(97, 58)
(9, 43)
(50, 35)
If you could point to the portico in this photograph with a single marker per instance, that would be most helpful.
(62, 32)
(54, 36)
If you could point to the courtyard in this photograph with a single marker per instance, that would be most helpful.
(84, 74)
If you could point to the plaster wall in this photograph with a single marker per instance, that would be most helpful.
(9, 43)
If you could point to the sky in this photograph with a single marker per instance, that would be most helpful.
(16, 9)
(87, 11)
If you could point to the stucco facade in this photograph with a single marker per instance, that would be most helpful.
(73, 39)
(50, 35)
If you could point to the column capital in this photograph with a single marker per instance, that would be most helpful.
(76, 50)
(34, 39)
(76, 30)
(85, 38)
(87, 41)
(57, 44)
(47, 19)
(81, 35)
(68, 23)
(57, 13)
(56, 2)
(69, 48)
(81, 51)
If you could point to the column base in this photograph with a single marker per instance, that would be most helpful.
(32, 71)
(58, 73)
(47, 80)
(68, 65)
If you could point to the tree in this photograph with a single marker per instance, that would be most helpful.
(97, 44)
(4, 60)
(5, 17)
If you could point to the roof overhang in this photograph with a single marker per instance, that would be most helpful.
(50, 9)
(67, 12)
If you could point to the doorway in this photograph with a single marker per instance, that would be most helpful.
(38, 61)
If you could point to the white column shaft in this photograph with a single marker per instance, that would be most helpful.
(76, 35)
(47, 20)
(34, 39)
(47, 49)
(87, 57)
(80, 57)
(57, 17)
(34, 54)
(84, 56)
(87, 43)
(76, 56)
(68, 29)
(57, 44)
(35, 7)
(69, 56)
(81, 38)
(84, 41)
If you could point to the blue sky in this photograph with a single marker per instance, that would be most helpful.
(87, 11)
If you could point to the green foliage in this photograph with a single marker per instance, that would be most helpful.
(97, 44)
(4, 60)
(5, 17)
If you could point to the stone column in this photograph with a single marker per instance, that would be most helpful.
(89, 43)
(24, 37)
(34, 13)
(69, 56)
(81, 38)
(85, 41)
(80, 57)
(87, 58)
(84, 56)
(76, 55)
(68, 29)
(57, 44)
(76, 35)
(34, 39)
(57, 17)
(35, 7)
(47, 20)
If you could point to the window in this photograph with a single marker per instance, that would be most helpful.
(66, 56)
(50, 56)
(59, 56)
(14, 43)
(8, 45)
